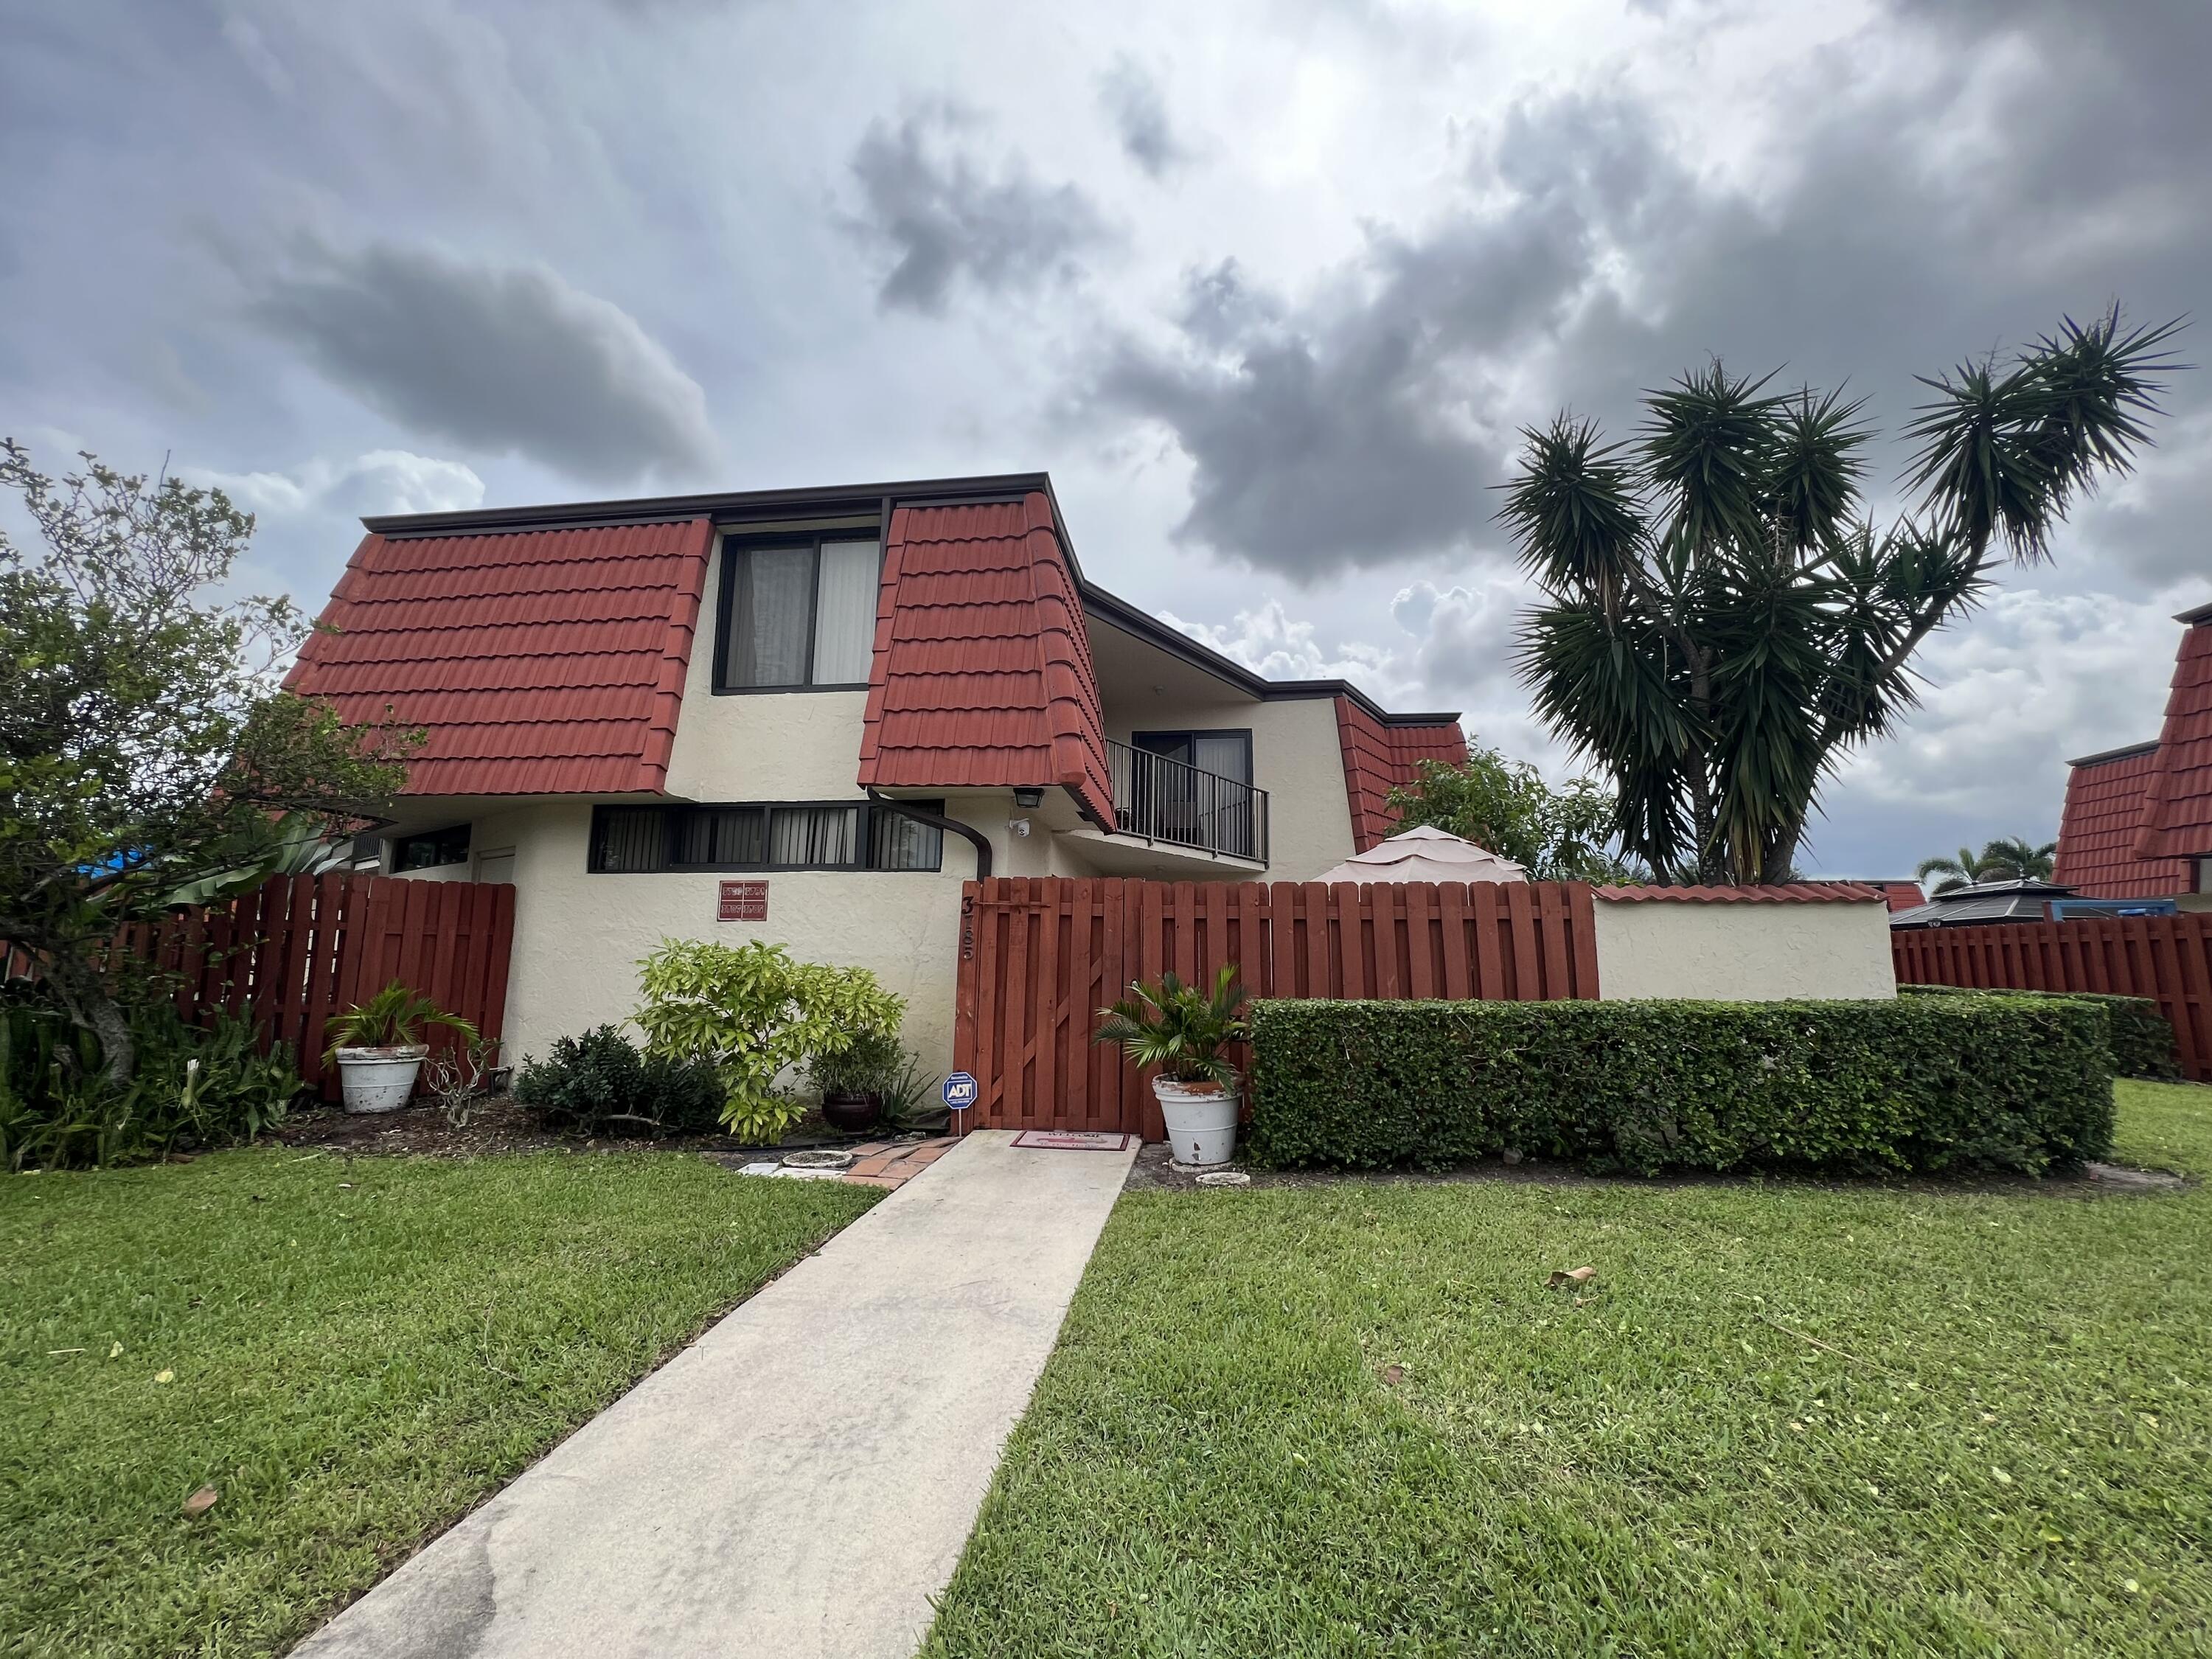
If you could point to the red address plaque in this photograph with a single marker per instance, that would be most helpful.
(744, 900)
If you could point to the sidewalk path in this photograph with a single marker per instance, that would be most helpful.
(801, 1480)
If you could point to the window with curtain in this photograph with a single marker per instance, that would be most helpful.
(798, 614)
(772, 835)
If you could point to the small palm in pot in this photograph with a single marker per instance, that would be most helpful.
(378, 1046)
(1182, 1030)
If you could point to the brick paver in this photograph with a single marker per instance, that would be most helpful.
(893, 1164)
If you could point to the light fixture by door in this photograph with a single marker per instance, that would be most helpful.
(1028, 797)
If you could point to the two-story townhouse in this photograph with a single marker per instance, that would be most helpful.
(808, 716)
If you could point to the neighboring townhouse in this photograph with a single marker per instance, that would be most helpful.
(808, 716)
(2138, 820)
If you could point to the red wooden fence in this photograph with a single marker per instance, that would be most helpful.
(299, 948)
(1039, 957)
(2169, 957)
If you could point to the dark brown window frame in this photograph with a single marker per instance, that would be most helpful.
(400, 843)
(737, 542)
(864, 837)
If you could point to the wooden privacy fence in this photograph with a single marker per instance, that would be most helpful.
(1038, 956)
(300, 948)
(2169, 957)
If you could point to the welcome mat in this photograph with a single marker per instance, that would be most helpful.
(1073, 1140)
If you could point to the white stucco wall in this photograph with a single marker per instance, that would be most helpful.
(1742, 952)
(578, 936)
(1297, 757)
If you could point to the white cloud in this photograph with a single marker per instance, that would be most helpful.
(381, 481)
(2033, 680)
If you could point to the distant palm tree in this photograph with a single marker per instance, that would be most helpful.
(2023, 861)
(2008, 859)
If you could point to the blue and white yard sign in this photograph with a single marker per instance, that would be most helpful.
(960, 1092)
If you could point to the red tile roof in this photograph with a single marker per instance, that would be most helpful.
(1377, 756)
(2177, 818)
(982, 671)
(1902, 895)
(542, 662)
(1795, 892)
(2105, 798)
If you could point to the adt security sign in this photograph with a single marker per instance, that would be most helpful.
(959, 1091)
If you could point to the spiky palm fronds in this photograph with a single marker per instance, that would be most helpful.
(1721, 625)
(1177, 1027)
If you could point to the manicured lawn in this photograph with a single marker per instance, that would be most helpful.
(351, 1365)
(2016, 1458)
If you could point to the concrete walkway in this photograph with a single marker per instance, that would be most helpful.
(801, 1480)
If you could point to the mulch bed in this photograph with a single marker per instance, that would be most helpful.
(497, 1125)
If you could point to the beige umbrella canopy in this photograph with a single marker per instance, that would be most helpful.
(1422, 854)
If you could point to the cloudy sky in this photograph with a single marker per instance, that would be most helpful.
(1269, 287)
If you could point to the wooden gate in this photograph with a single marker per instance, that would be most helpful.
(2165, 958)
(299, 948)
(1038, 956)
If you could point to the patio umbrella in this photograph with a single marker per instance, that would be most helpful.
(1422, 854)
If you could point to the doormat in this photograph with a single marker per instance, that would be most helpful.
(1072, 1140)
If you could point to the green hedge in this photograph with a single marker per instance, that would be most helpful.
(1918, 1084)
(2141, 1035)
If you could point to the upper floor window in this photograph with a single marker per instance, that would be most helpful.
(431, 849)
(797, 611)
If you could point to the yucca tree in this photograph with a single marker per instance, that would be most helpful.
(1723, 622)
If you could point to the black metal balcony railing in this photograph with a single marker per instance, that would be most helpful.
(1164, 799)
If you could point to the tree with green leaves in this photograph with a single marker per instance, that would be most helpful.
(1505, 806)
(146, 744)
(2011, 858)
(1722, 620)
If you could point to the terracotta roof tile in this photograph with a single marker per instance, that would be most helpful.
(540, 662)
(2105, 799)
(982, 670)
(2177, 816)
(1795, 892)
(1376, 757)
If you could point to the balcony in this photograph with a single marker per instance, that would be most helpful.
(1166, 801)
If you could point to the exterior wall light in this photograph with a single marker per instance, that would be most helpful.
(1029, 798)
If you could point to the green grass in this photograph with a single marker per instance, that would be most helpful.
(352, 1366)
(2014, 1458)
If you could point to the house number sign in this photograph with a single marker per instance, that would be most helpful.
(744, 900)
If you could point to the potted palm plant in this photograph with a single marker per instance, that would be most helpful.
(378, 1046)
(1182, 1030)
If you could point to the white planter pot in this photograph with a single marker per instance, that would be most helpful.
(1201, 1120)
(379, 1079)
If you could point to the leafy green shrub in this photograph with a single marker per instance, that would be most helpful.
(1919, 1083)
(753, 1012)
(2141, 1035)
(866, 1065)
(599, 1082)
(192, 1087)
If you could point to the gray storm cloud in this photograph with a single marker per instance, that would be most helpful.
(501, 359)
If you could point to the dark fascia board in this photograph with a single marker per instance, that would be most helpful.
(1120, 613)
(2122, 753)
(728, 504)
(869, 497)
